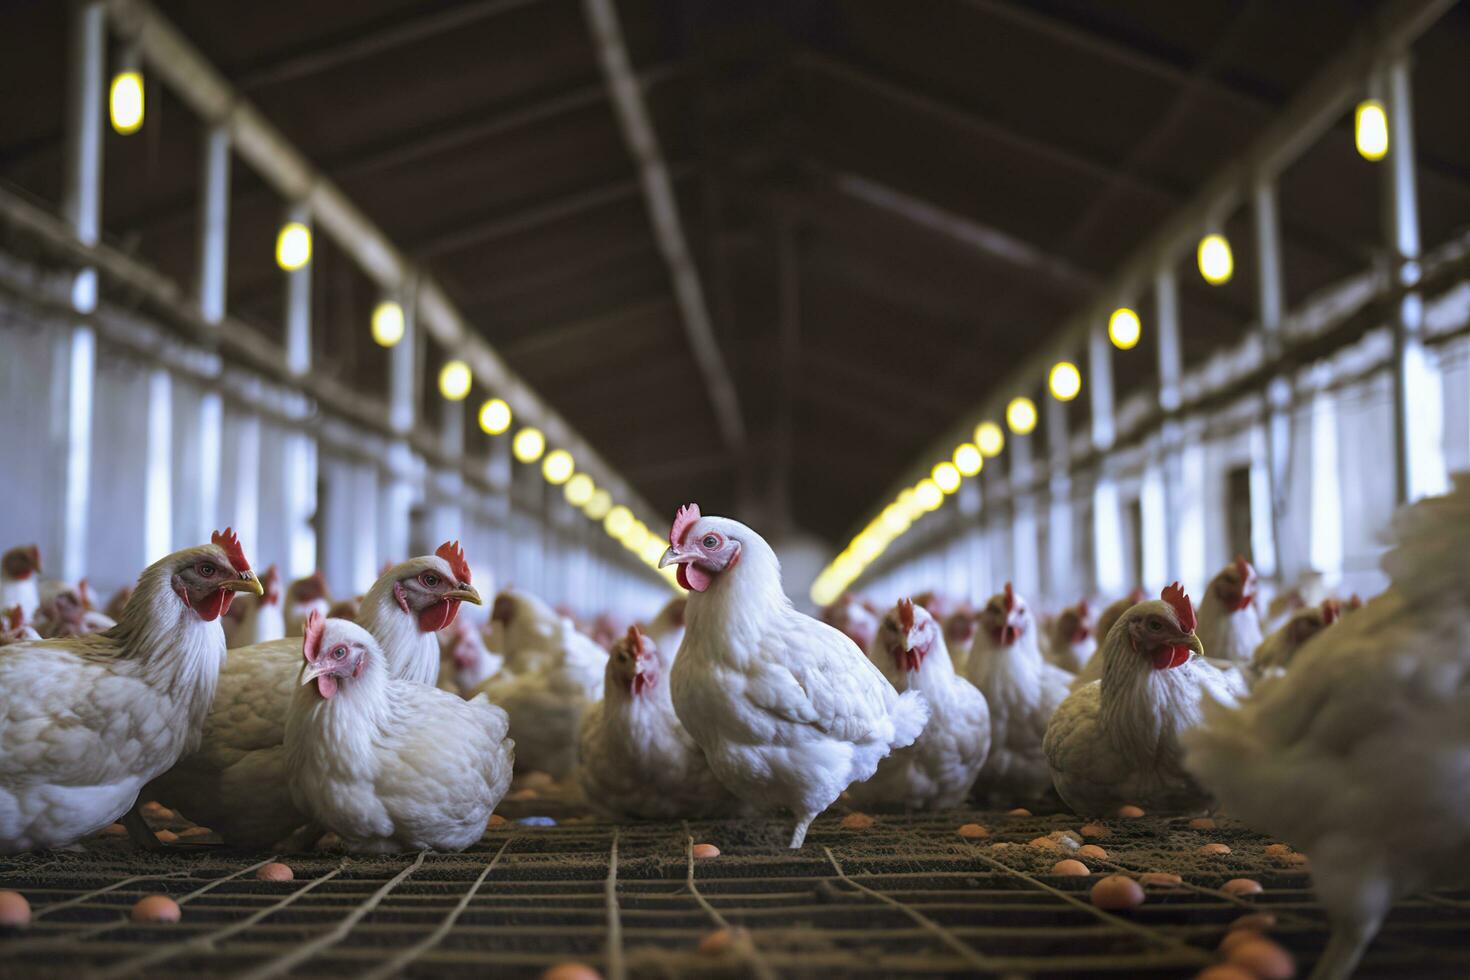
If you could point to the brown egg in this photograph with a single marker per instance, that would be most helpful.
(1202, 823)
(857, 821)
(536, 779)
(1264, 958)
(153, 808)
(1070, 867)
(1046, 844)
(114, 830)
(165, 836)
(1019, 811)
(1257, 921)
(1214, 849)
(1130, 812)
(195, 832)
(1095, 830)
(156, 908)
(705, 851)
(973, 831)
(161, 813)
(275, 871)
(1117, 892)
(1298, 860)
(1278, 850)
(496, 820)
(1235, 937)
(15, 911)
(571, 971)
(1224, 971)
(720, 940)
(1160, 879)
(1092, 851)
(1242, 886)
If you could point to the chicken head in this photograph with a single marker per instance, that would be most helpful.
(700, 548)
(336, 650)
(206, 579)
(1163, 631)
(431, 588)
(632, 666)
(21, 562)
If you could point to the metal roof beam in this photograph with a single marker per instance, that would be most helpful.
(663, 212)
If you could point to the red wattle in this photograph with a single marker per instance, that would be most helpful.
(1167, 658)
(1243, 602)
(439, 615)
(326, 685)
(694, 578)
(214, 604)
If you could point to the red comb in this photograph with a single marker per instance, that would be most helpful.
(1010, 597)
(683, 521)
(1331, 610)
(1082, 608)
(1355, 601)
(232, 549)
(1243, 567)
(1135, 595)
(311, 644)
(1183, 609)
(906, 613)
(635, 637)
(451, 552)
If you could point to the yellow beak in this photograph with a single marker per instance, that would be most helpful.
(247, 582)
(466, 593)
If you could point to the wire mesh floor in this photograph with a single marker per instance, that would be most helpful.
(906, 897)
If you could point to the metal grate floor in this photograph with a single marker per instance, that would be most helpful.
(905, 897)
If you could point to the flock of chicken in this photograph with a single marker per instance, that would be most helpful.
(395, 720)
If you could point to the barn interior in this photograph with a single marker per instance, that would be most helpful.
(1060, 299)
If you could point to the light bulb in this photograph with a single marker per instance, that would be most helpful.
(558, 467)
(1021, 415)
(1216, 263)
(529, 444)
(1065, 381)
(125, 102)
(989, 439)
(494, 417)
(387, 323)
(598, 505)
(454, 380)
(1124, 328)
(947, 476)
(618, 521)
(1370, 130)
(579, 490)
(967, 459)
(293, 246)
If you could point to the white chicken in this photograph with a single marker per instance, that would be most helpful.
(20, 571)
(534, 638)
(66, 610)
(938, 770)
(634, 758)
(959, 635)
(667, 629)
(86, 721)
(1229, 622)
(262, 620)
(1116, 741)
(235, 783)
(1022, 690)
(1360, 755)
(14, 628)
(855, 617)
(1277, 651)
(1070, 640)
(788, 711)
(304, 596)
(390, 764)
(465, 662)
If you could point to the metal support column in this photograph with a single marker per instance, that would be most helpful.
(1171, 369)
(397, 483)
(447, 506)
(1419, 464)
(1269, 460)
(214, 241)
(1060, 578)
(1107, 515)
(1024, 564)
(298, 304)
(83, 208)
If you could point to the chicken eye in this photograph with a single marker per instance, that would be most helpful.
(207, 570)
(1155, 624)
(339, 653)
(710, 541)
(429, 579)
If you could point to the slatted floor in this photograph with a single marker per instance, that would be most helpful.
(906, 897)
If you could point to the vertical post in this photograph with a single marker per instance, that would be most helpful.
(214, 240)
(1171, 368)
(1059, 532)
(397, 485)
(158, 472)
(298, 304)
(498, 474)
(1269, 465)
(1419, 464)
(1107, 512)
(970, 506)
(1023, 527)
(447, 508)
(1325, 539)
(83, 209)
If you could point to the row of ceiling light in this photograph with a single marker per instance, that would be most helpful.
(528, 446)
(1216, 264)
(1213, 255)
